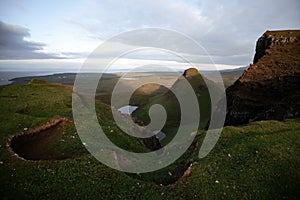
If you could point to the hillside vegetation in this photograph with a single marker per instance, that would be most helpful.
(170, 103)
(260, 160)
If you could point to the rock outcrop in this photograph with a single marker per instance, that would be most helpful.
(190, 72)
(270, 87)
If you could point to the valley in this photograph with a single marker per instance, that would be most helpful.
(256, 156)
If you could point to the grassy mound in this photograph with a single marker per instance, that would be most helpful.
(170, 102)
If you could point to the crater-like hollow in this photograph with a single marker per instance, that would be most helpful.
(40, 143)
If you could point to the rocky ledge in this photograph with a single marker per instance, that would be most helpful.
(270, 87)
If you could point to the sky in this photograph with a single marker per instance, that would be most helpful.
(60, 35)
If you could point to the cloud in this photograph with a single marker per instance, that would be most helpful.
(14, 44)
(228, 30)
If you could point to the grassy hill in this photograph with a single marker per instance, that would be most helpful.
(169, 101)
(260, 160)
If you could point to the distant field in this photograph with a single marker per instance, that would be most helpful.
(257, 161)
(129, 80)
(168, 78)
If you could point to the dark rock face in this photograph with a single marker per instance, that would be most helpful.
(273, 39)
(270, 88)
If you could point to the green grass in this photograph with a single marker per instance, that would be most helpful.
(255, 161)
(170, 103)
(263, 163)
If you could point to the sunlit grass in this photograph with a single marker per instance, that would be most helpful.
(257, 161)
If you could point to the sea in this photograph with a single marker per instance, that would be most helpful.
(6, 76)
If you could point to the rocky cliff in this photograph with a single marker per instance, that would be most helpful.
(270, 87)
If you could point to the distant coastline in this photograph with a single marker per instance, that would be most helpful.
(6, 77)
(23, 77)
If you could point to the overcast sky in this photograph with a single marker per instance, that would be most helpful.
(61, 34)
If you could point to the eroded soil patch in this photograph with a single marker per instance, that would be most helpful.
(36, 144)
